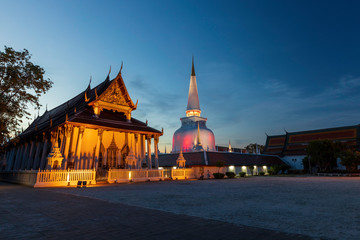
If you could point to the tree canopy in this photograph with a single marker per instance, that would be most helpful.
(21, 84)
(350, 159)
(322, 154)
(251, 148)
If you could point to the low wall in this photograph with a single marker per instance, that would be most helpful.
(48, 178)
(25, 177)
(182, 173)
(135, 175)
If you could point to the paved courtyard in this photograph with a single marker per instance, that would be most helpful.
(247, 208)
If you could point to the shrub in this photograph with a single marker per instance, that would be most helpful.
(230, 174)
(242, 174)
(219, 175)
(284, 168)
(274, 169)
(261, 173)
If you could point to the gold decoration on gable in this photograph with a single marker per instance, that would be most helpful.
(113, 95)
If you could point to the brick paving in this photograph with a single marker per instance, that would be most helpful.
(27, 213)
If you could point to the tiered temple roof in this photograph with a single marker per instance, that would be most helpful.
(115, 106)
(295, 143)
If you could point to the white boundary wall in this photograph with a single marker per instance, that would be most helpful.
(49, 178)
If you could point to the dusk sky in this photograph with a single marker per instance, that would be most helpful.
(261, 66)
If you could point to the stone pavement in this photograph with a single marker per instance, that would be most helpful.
(27, 213)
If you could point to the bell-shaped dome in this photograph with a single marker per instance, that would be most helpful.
(191, 135)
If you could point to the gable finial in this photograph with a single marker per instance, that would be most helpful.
(46, 108)
(137, 101)
(121, 66)
(90, 82)
(96, 95)
(109, 71)
(86, 98)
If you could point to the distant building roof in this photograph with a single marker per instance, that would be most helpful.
(295, 143)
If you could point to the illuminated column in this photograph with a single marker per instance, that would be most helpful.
(44, 152)
(105, 158)
(63, 142)
(156, 142)
(37, 156)
(53, 136)
(78, 161)
(143, 149)
(30, 158)
(148, 138)
(67, 136)
(118, 158)
(97, 149)
(138, 162)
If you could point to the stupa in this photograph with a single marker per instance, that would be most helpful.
(193, 135)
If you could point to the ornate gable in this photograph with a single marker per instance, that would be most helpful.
(115, 98)
(113, 95)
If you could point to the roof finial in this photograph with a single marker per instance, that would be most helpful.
(46, 108)
(192, 67)
(90, 82)
(86, 98)
(109, 71)
(121, 66)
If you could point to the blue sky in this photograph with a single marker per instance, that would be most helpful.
(261, 66)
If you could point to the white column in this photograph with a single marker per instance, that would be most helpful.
(78, 148)
(19, 157)
(142, 149)
(30, 158)
(37, 156)
(10, 162)
(156, 142)
(44, 153)
(149, 163)
(67, 132)
(97, 149)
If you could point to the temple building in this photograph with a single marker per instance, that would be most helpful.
(291, 146)
(193, 135)
(93, 130)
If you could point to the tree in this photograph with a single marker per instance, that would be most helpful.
(21, 83)
(251, 148)
(323, 154)
(350, 159)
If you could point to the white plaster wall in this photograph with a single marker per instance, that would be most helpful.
(212, 169)
(295, 162)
